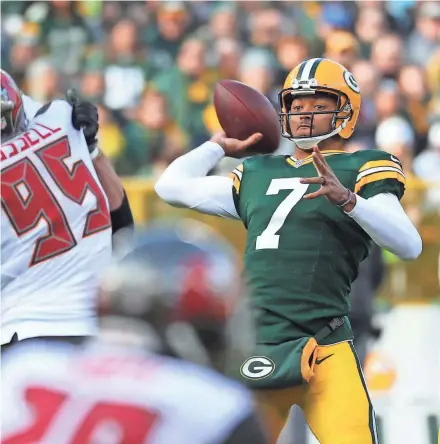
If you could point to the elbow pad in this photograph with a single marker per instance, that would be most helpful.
(122, 217)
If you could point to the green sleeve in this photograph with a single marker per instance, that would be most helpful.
(379, 172)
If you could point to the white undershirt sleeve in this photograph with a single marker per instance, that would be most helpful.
(385, 221)
(185, 183)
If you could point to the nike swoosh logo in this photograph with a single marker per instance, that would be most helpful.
(320, 361)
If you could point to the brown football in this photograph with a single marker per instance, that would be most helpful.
(242, 111)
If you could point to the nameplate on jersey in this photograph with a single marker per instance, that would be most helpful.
(34, 136)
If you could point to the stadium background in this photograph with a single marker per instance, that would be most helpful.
(151, 67)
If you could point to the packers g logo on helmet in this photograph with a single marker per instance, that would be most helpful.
(351, 81)
(324, 76)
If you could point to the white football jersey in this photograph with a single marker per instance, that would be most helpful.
(55, 230)
(97, 394)
(30, 106)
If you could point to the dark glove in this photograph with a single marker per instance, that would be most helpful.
(85, 116)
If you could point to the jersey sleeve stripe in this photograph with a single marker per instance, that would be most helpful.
(379, 176)
(238, 173)
(380, 163)
(236, 181)
(378, 170)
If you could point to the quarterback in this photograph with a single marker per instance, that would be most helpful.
(310, 219)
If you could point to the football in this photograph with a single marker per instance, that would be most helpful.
(243, 111)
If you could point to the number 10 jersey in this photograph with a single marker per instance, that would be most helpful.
(55, 230)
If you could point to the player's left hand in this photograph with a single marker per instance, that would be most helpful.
(85, 116)
(331, 188)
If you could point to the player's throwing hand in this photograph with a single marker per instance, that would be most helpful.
(331, 188)
(234, 147)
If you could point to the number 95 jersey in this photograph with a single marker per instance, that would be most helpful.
(55, 229)
(302, 255)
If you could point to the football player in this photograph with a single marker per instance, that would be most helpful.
(56, 221)
(173, 296)
(310, 219)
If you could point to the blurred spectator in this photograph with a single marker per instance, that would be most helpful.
(433, 73)
(395, 136)
(228, 54)
(222, 24)
(290, 52)
(93, 86)
(425, 39)
(335, 16)
(256, 70)
(24, 50)
(387, 54)
(63, 32)
(368, 81)
(222, 27)
(342, 47)
(402, 15)
(370, 25)
(266, 28)
(111, 139)
(113, 52)
(146, 134)
(187, 87)
(387, 100)
(172, 22)
(42, 81)
(427, 166)
(414, 91)
(125, 66)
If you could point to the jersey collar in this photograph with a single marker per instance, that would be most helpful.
(293, 161)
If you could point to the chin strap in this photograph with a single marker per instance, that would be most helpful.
(307, 143)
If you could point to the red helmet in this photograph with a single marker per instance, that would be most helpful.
(184, 282)
(13, 119)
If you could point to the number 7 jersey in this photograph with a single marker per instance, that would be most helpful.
(55, 230)
(302, 255)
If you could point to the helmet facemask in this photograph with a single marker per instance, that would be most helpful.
(341, 115)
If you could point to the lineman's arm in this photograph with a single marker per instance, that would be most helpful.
(120, 210)
(185, 183)
(85, 117)
(385, 221)
(110, 181)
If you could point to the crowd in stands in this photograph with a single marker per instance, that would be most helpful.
(151, 66)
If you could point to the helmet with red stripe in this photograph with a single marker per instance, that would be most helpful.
(181, 285)
(13, 119)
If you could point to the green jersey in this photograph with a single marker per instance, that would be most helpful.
(302, 255)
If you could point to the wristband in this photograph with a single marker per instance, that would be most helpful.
(350, 197)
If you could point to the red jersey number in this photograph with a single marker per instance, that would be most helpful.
(130, 423)
(26, 200)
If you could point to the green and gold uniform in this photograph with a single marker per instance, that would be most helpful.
(301, 258)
